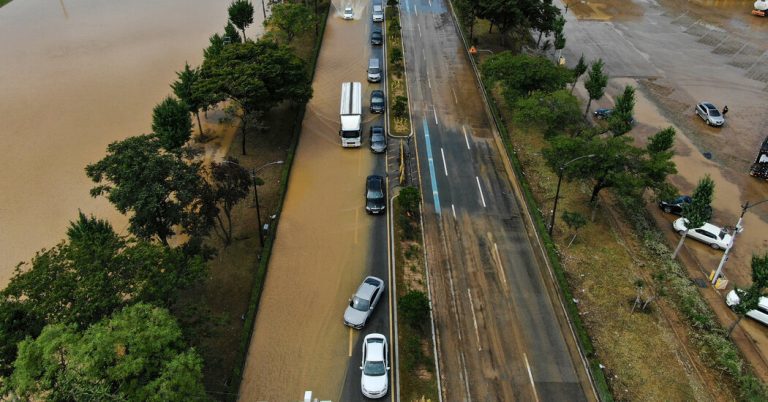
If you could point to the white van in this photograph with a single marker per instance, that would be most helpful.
(374, 70)
(759, 314)
(378, 13)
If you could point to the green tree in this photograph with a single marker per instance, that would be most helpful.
(241, 14)
(157, 189)
(409, 200)
(95, 271)
(215, 46)
(400, 107)
(578, 71)
(559, 26)
(291, 19)
(695, 213)
(17, 322)
(171, 123)
(414, 308)
(621, 120)
(575, 221)
(137, 354)
(521, 75)
(231, 35)
(595, 83)
(184, 89)
(255, 76)
(659, 165)
(553, 112)
(750, 297)
(466, 12)
(230, 183)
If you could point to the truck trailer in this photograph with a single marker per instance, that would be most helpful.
(351, 114)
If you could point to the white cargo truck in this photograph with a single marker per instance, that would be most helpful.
(351, 114)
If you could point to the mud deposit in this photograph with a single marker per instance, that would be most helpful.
(75, 76)
(299, 341)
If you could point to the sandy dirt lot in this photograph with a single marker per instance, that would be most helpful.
(678, 54)
(75, 76)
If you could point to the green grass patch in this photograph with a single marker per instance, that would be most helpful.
(4, 2)
(415, 348)
(397, 87)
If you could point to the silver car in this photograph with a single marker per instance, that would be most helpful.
(710, 114)
(363, 301)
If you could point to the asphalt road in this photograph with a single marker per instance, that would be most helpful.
(501, 331)
(326, 243)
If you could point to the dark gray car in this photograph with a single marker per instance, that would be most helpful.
(375, 195)
(377, 101)
(376, 37)
(363, 301)
(378, 140)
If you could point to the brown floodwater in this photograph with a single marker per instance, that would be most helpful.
(76, 75)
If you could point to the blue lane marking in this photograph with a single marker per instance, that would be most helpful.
(431, 167)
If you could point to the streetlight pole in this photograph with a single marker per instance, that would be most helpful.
(256, 195)
(557, 193)
(739, 229)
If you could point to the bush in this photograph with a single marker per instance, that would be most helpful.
(395, 55)
(411, 355)
(409, 201)
(414, 309)
(400, 107)
(410, 230)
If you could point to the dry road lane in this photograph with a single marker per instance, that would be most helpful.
(501, 333)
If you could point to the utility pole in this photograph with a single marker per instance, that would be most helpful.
(739, 229)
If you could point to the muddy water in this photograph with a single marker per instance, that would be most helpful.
(75, 76)
(299, 341)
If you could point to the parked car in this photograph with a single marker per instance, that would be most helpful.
(349, 13)
(759, 314)
(375, 195)
(376, 37)
(604, 113)
(676, 206)
(362, 303)
(374, 381)
(378, 140)
(710, 114)
(377, 101)
(715, 237)
(378, 13)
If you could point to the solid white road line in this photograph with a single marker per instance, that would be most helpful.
(474, 319)
(419, 26)
(434, 110)
(414, 10)
(445, 167)
(530, 376)
(429, 83)
(454, 211)
(481, 191)
(466, 139)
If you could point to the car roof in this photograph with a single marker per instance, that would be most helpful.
(375, 346)
(710, 227)
(377, 92)
(374, 180)
(708, 105)
(365, 290)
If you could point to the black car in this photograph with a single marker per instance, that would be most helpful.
(377, 101)
(378, 140)
(676, 206)
(375, 195)
(376, 37)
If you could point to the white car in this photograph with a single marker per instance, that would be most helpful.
(378, 13)
(349, 13)
(375, 379)
(714, 236)
(759, 314)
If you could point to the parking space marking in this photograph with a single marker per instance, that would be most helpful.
(445, 167)
(474, 319)
(481, 191)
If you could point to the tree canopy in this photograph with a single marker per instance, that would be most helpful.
(171, 123)
(554, 112)
(136, 354)
(291, 19)
(241, 14)
(159, 190)
(595, 83)
(184, 89)
(521, 75)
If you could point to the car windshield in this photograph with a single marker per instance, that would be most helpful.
(374, 194)
(374, 368)
(350, 134)
(358, 303)
(714, 112)
(377, 99)
(722, 234)
(377, 138)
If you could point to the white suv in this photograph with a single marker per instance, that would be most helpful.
(378, 13)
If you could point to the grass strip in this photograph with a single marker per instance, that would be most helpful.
(397, 87)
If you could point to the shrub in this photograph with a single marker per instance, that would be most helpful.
(400, 107)
(414, 309)
(409, 201)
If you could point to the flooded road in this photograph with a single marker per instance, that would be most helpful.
(75, 76)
